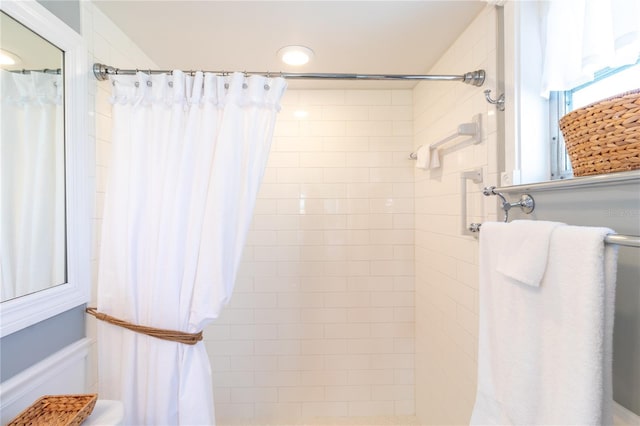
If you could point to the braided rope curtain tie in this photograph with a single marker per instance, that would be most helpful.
(159, 333)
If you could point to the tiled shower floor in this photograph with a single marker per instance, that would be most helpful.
(333, 421)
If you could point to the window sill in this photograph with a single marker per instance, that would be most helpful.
(632, 176)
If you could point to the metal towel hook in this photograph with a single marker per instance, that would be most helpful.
(526, 203)
(499, 103)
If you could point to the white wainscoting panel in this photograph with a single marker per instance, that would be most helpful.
(62, 373)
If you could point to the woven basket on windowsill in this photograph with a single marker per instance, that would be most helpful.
(57, 410)
(604, 137)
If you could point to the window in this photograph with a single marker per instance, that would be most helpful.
(608, 82)
(551, 50)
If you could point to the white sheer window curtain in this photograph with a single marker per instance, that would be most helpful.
(585, 36)
(188, 157)
(32, 209)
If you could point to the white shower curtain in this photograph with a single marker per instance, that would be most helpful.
(32, 207)
(188, 157)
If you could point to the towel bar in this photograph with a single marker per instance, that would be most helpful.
(475, 176)
(527, 205)
(623, 240)
(619, 239)
(472, 129)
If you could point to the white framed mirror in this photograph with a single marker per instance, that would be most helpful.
(32, 181)
(57, 192)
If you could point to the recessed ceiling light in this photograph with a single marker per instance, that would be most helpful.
(295, 55)
(8, 58)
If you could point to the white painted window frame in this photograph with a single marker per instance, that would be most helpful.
(527, 148)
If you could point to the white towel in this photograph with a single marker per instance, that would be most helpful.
(424, 157)
(435, 158)
(545, 352)
(525, 258)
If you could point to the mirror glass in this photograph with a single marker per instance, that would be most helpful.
(32, 162)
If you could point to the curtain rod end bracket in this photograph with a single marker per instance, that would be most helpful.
(475, 78)
(101, 71)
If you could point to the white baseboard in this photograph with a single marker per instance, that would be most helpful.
(624, 417)
(64, 372)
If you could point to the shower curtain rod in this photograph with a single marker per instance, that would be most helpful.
(475, 78)
(42, 70)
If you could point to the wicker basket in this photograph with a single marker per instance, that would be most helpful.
(57, 410)
(604, 137)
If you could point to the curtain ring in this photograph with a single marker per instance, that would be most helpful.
(244, 83)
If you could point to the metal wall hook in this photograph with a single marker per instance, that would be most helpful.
(474, 227)
(526, 202)
(499, 103)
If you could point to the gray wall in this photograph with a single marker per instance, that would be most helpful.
(617, 207)
(67, 10)
(27, 347)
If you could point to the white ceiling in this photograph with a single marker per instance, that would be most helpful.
(372, 37)
(33, 52)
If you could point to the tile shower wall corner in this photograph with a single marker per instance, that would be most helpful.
(322, 319)
(446, 262)
(107, 44)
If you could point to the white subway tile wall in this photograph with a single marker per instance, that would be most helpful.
(321, 322)
(327, 318)
(107, 44)
(446, 262)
